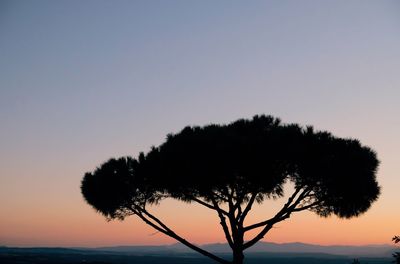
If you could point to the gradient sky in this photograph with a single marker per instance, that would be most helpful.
(83, 81)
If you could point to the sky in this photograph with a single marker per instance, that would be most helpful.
(83, 81)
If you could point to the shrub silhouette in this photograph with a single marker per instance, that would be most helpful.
(228, 168)
(396, 255)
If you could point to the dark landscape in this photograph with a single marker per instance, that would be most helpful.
(262, 253)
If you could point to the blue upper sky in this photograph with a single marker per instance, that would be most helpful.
(81, 81)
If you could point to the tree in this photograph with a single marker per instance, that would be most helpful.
(396, 255)
(229, 168)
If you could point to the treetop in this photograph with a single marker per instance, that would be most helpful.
(235, 161)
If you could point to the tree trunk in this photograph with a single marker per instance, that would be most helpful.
(238, 256)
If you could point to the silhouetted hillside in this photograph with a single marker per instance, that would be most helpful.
(262, 247)
(272, 253)
(97, 256)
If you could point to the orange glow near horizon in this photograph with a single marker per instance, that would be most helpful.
(195, 223)
(84, 81)
(66, 220)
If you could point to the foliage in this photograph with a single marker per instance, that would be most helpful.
(228, 168)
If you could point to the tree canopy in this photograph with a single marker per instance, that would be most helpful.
(228, 168)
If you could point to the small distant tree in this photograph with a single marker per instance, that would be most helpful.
(396, 255)
(355, 261)
(229, 168)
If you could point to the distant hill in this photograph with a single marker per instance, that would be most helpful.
(272, 253)
(262, 247)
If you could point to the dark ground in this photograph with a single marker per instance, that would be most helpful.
(74, 256)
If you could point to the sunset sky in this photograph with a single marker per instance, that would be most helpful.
(83, 81)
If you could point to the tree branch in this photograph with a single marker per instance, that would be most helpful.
(232, 222)
(248, 208)
(305, 207)
(213, 207)
(221, 197)
(223, 223)
(239, 213)
(283, 214)
(285, 207)
(167, 231)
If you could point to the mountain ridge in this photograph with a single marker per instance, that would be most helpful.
(380, 250)
(265, 247)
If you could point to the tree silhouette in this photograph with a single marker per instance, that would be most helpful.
(396, 255)
(229, 168)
